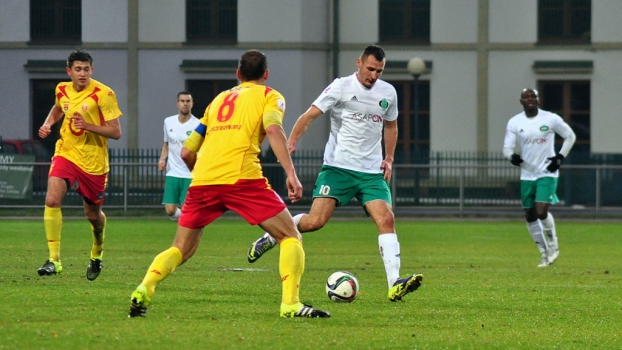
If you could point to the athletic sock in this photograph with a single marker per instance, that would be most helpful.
(296, 222)
(390, 253)
(53, 223)
(175, 217)
(271, 239)
(297, 219)
(291, 268)
(163, 265)
(535, 230)
(548, 225)
(99, 233)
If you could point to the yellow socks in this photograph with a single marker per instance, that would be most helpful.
(163, 265)
(291, 267)
(53, 223)
(98, 239)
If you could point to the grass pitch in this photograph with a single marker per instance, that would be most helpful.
(481, 289)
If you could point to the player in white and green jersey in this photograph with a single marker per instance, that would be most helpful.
(362, 110)
(532, 133)
(177, 128)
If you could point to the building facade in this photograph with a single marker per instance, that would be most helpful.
(479, 55)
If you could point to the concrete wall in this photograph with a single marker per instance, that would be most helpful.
(453, 21)
(14, 21)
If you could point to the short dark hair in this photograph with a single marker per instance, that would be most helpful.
(253, 64)
(79, 55)
(183, 93)
(375, 51)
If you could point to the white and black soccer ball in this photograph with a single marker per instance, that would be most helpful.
(342, 287)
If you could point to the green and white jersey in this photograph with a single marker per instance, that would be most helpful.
(357, 116)
(535, 137)
(175, 134)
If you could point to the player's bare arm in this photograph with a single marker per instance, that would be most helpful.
(189, 157)
(390, 141)
(111, 130)
(301, 126)
(163, 156)
(56, 113)
(276, 137)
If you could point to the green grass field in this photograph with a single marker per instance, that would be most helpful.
(481, 289)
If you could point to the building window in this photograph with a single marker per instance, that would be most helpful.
(56, 21)
(211, 21)
(413, 144)
(571, 100)
(204, 91)
(404, 21)
(564, 21)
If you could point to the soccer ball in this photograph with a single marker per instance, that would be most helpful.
(342, 287)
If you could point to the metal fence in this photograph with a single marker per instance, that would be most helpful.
(448, 180)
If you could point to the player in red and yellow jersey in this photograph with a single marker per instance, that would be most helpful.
(91, 113)
(223, 154)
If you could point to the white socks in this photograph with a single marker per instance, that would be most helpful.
(535, 230)
(296, 218)
(548, 225)
(175, 216)
(390, 253)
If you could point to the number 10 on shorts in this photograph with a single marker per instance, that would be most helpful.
(324, 190)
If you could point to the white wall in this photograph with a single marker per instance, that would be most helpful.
(453, 105)
(358, 21)
(307, 84)
(162, 21)
(606, 21)
(453, 21)
(104, 21)
(606, 108)
(317, 21)
(509, 73)
(513, 21)
(270, 21)
(14, 21)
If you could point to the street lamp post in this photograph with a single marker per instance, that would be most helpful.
(416, 67)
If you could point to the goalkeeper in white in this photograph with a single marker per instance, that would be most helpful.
(532, 134)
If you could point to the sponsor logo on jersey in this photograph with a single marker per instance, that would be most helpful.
(226, 127)
(281, 104)
(327, 90)
(384, 104)
(354, 98)
(544, 128)
(367, 117)
(521, 130)
(536, 141)
(66, 106)
(188, 132)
